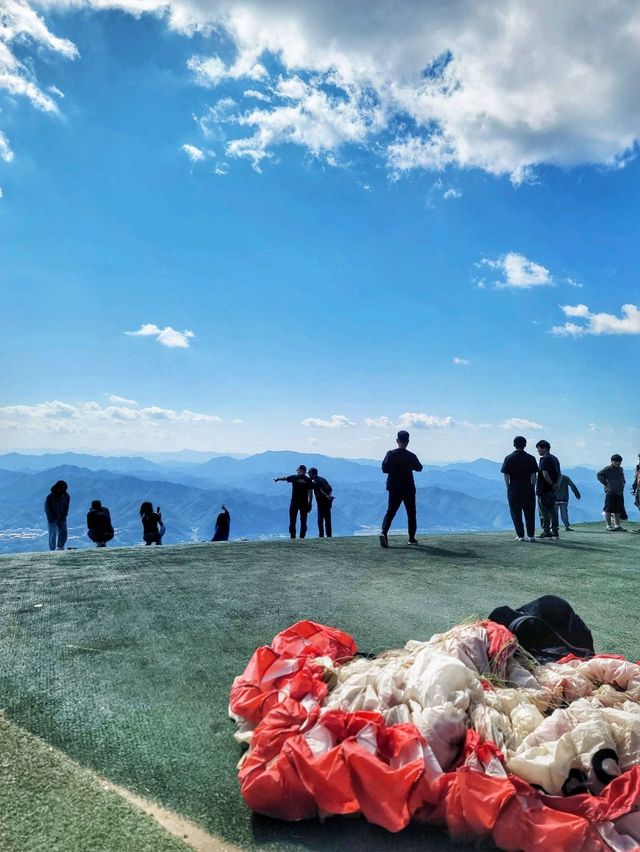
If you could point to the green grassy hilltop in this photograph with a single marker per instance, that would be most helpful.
(123, 658)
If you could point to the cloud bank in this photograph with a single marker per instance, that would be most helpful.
(500, 87)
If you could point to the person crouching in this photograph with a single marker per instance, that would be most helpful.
(99, 526)
(152, 526)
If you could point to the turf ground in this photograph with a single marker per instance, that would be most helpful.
(123, 658)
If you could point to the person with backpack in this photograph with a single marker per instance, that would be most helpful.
(324, 500)
(56, 508)
(152, 527)
(301, 499)
(99, 526)
(223, 525)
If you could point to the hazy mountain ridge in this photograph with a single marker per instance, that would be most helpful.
(457, 496)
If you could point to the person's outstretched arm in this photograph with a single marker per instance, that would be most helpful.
(385, 464)
(574, 488)
(417, 465)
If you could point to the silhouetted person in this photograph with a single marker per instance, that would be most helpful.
(56, 507)
(223, 525)
(520, 469)
(635, 488)
(399, 465)
(99, 526)
(301, 490)
(612, 477)
(152, 526)
(548, 477)
(324, 499)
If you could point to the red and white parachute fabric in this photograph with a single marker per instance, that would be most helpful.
(549, 760)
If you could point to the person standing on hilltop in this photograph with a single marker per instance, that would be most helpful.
(223, 525)
(562, 499)
(548, 476)
(56, 508)
(635, 488)
(612, 477)
(520, 469)
(99, 526)
(301, 491)
(399, 465)
(324, 499)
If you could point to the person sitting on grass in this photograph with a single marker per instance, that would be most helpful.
(152, 526)
(100, 529)
(612, 477)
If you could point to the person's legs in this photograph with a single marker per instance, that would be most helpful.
(395, 500)
(545, 514)
(62, 534)
(53, 534)
(303, 522)
(516, 507)
(554, 515)
(529, 510)
(563, 509)
(293, 516)
(410, 505)
(327, 521)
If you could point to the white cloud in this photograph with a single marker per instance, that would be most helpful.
(502, 87)
(598, 323)
(112, 397)
(452, 193)
(337, 421)
(593, 427)
(6, 153)
(257, 96)
(378, 423)
(193, 153)
(424, 421)
(461, 362)
(98, 423)
(518, 272)
(167, 336)
(515, 423)
(93, 419)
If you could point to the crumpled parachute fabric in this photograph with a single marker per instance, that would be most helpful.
(460, 731)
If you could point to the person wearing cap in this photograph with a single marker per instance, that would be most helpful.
(399, 465)
(301, 499)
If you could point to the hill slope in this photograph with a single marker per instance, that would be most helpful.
(124, 658)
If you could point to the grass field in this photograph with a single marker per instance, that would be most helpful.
(123, 658)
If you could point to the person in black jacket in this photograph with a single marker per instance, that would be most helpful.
(56, 508)
(301, 490)
(399, 465)
(152, 526)
(324, 500)
(223, 525)
(99, 526)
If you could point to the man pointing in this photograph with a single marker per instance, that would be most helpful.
(399, 465)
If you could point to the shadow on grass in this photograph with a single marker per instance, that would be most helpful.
(352, 833)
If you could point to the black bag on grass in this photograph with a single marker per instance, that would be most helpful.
(548, 628)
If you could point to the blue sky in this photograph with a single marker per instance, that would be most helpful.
(350, 250)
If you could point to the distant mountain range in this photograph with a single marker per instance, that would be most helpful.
(457, 496)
